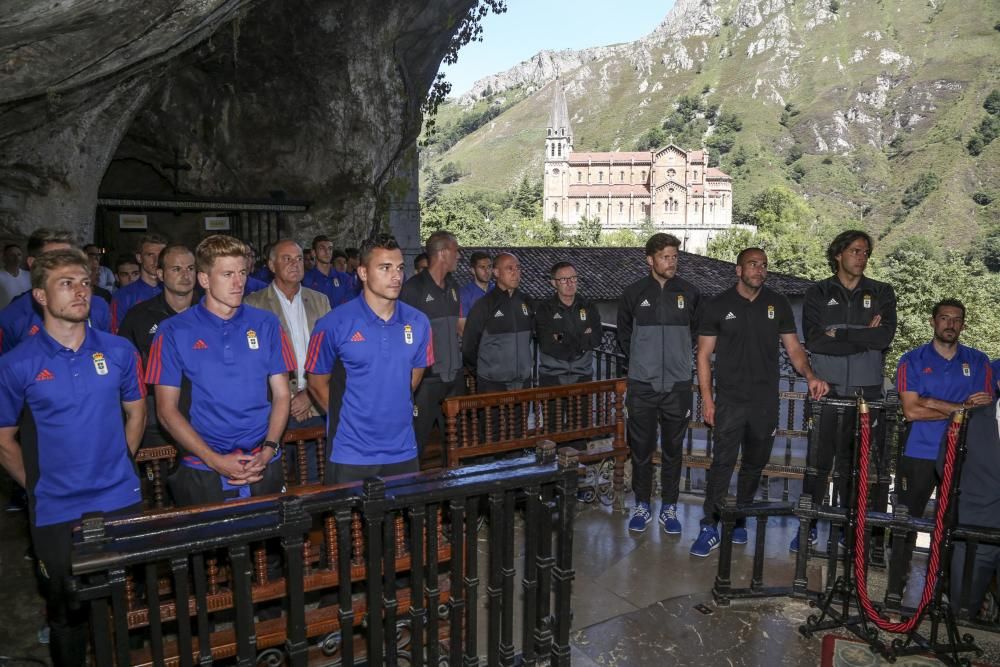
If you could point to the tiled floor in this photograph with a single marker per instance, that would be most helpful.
(634, 602)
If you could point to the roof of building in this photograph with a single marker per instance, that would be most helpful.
(618, 157)
(617, 190)
(605, 271)
(712, 173)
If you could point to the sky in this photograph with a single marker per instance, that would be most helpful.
(530, 26)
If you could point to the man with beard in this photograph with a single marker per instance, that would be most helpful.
(66, 389)
(434, 292)
(933, 381)
(175, 271)
(365, 360)
(742, 326)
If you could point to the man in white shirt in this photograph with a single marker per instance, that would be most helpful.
(297, 308)
(13, 279)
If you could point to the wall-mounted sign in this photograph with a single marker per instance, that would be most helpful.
(132, 221)
(216, 224)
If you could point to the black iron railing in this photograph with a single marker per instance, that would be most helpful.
(385, 573)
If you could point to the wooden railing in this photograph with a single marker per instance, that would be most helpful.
(383, 573)
(496, 423)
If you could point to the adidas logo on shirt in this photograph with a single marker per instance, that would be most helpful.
(832, 302)
(357, 337)
(557, 316)
(199, 345)
(499, 313)
(645, 303)
(730, 316)
(46, 374)
(153, 330)
(429, 298)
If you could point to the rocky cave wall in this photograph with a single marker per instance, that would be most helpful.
(319, 99)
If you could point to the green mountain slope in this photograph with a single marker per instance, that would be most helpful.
(877, 95)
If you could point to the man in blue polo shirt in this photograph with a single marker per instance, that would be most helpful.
(229, 354)
(372, 344)
(146, 287)
(324, 277)
(933, 381)
(65, 389)
(23, 316)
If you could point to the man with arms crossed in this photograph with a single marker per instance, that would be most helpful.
(229, 355)
(66, 389)
(365, 360)
(742, 326)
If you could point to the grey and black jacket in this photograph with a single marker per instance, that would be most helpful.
(656, 326)
(567, 336)
(496, 343)
(854, 357)
(442, 307)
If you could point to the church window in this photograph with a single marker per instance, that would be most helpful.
(696, 207)
(696, 174)
(643, 176)
(623, 176)
(555, 207)
(579, 176)
(578, 207)
(553, 150)
(598, 207)
(621, 206)
(559, 150)
(549, 131)
(671, 173)
(600, 177)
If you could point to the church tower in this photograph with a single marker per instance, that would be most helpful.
(558, 145)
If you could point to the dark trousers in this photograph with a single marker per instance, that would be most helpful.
(562, 417)
(190, 486)
(341, 473)
(427, 400)
(985, 565)
(647, 410)
(513, 417)
(68, 627)
(738, 425)
(915, 482)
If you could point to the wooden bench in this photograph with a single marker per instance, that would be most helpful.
(496, 423)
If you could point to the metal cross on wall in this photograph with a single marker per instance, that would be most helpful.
(177, 167)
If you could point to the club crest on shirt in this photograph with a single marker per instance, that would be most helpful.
(252, 341)
(454, 296)
(866, 301)
(583, 315)
(524, 309)
(680, 301)
(408, 334)
(770, 312)
(100, 365)
(336, 283)
(966, 371)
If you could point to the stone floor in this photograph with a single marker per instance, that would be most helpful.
(638, 599)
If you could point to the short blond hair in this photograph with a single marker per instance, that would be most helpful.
(216, 246)
(56, 259)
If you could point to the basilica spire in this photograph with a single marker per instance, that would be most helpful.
(559, 117)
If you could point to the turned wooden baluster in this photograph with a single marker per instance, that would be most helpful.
(330, 536)
(401, 547)
(357, 540)
(525, 408)
(306, 557)
(474, 414)
(260, 565)
(212, 569)
(130, 597)
(158, 495)
(577, 411)
(301, 456)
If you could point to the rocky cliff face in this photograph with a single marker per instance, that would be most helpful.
(319, 98)
(872, 94)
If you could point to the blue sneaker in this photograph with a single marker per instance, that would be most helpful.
(740, 535)
(708, 540)
(794, 546)
(668, 517)
(640, 517)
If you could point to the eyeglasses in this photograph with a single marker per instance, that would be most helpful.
(567, 279)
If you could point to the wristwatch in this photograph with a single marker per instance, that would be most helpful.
(276, 446)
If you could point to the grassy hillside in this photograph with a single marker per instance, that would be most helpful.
(878, 94)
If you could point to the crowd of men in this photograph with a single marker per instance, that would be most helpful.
(190, 351)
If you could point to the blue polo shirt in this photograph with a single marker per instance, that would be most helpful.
(370, 416)
(127, 297)
(228, 364)
(22, 318)
(924, 371)
(995, 367)
(253, 285)
(338, 287)
(68, 405)
(470, 293)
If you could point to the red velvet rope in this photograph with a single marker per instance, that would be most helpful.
(860, 546)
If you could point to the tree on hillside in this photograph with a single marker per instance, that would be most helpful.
(652, 139)
(588, 232)
(451, 172)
